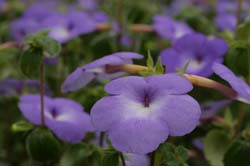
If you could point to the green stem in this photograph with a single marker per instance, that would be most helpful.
(122, 159)
(101, 139)
(120, 21)
(152, 159)
(42, 87)
(239, 10)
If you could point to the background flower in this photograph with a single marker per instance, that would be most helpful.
(196, 49)
(83, 75)
(64, 117)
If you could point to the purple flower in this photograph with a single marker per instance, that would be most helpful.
(226, 14)
(170, 29)
(2, 4)
(199, 50)
(99, 17)
(64, 117)
(88, 4)
(68, 26)
(240, 86)
(40, 11)
(198, 144)
(209, 110)
(22, 27)
(10, 87)
(226, 22)
(83, 75)
(141, 113)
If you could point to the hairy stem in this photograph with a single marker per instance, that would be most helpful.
(122, 159)
(42, 88)
(194, 79)
(239, 11)
(101, 139)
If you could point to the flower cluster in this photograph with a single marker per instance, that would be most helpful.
(63, 26)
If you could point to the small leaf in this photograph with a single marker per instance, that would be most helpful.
(238, 154)
(184, 69)
(43, 146)
(159, 69)
(215, 146)
(42, 41)
(150, 61)
(30, 62)
(22, 126)
(110, 158)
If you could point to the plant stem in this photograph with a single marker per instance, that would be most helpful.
(42, 79)
(239, 11)
(101, 139)
(120, 21)
(152, 158)
(122, 159)
(194, 79)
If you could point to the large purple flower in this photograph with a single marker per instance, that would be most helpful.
(141, 113)
(83, 75)
(199, 50)
(170, 29)
(64, 117)
(240, 86)
(64, 27)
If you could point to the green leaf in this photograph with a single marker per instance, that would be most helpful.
(22, 126)
(238, 154)
(42, 41)
(238, 58)
(243, 31)
(159, 69)
(170, 155)
(216, 143)
(43, 146)
(150, 61)
(110, 158)
(30, 62)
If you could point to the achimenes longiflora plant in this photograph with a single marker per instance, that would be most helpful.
(140, 112)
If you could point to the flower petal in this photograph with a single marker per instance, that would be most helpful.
(138, 136)
(106, 112)
(181, 113)
(237, 84)
(171, 83)
(76, 80)
(71, 127)
(31, 108)
(130, 84)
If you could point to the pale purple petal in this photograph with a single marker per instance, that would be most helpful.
(129, 84)
(79, 78)
(111, 107)
(171, 83)
(181, 113)
(237, 84)
(138, 136)
(31, 108)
